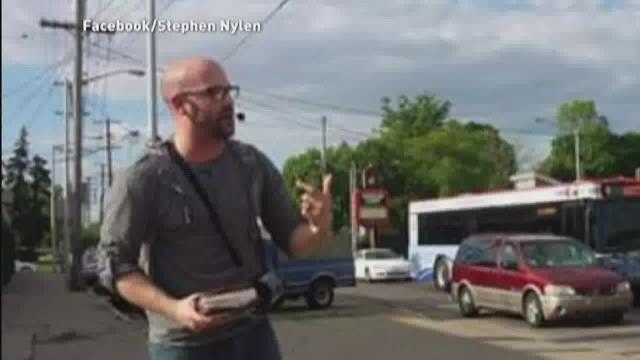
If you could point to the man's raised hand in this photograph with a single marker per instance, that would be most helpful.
(317, 205)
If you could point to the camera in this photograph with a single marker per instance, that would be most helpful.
(269, 288)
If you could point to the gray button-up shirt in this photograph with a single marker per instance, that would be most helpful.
(156, 223)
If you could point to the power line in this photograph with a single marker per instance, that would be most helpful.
(340, 108)
(121, 54)
(235, 49)
(304, 121)
(100, 11)
(25, 85)
(166, 6)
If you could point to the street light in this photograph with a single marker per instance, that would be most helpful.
(76, 217)
(134, 72)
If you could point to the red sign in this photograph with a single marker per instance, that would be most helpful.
(371, 207)
(632, 190)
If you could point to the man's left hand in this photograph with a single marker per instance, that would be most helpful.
(317, 205)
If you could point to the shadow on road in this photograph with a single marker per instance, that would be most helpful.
(347, 307)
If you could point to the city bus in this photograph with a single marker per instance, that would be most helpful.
(604, 214)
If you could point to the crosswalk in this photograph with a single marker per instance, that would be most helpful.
(600, 342)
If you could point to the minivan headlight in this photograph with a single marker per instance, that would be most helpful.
(559, 290)
(624, 287)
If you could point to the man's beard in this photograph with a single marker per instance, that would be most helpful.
(220, 128)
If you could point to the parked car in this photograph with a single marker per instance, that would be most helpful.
(89, 268)
(627, 265)
(542, 277)
(313, 278)
(25, 266)
(381, 264)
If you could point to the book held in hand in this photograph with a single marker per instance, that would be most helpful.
(226, 301)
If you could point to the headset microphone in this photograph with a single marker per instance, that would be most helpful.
(240, 116)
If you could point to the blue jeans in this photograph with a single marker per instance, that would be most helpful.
(259, 342)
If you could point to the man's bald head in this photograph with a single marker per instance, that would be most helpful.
(191, 75)
(196, 91)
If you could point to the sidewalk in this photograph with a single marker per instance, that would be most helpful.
(42, 320)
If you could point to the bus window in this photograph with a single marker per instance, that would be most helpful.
(443, 228)
(536, 219)
(616, 225)
(574, 222)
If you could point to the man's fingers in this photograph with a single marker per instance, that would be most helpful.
(326, 184)
(304, 186)
(311, 200)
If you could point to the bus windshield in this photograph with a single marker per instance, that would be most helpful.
(551, 254)
(617, 226)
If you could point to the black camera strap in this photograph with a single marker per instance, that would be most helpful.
(215, 219)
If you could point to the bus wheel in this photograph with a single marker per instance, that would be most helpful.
(441, 275)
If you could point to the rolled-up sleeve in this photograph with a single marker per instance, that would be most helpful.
(126, 225)
(279, 214)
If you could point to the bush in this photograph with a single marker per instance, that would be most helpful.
(91, 235)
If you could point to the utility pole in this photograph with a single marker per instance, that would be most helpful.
(354, 220)
(67, 174)
(76, 218)
(52, 196)
(66, 113)
(576, 137)
(109, 147)
(102, 190)
(369, 179)
(324, 145)
(151, 76)
(76, 246)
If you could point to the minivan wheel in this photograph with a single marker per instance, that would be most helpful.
(533, 311)
(466, 303)
(441, 278)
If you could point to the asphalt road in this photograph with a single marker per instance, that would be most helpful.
(361, 328)
(428, 309)
(391, 321)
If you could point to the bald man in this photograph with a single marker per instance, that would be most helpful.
(154, 210)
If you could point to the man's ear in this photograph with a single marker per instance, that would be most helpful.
(181, 106)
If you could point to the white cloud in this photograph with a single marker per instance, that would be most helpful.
(505, 65)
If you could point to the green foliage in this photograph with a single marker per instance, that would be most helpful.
(29, 181)
(91, 234)
(602, 153)
(421, 153)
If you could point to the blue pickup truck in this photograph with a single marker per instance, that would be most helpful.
(314, 277)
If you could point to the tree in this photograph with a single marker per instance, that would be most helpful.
(29, 181)
(40, 195)
(602, 153)
(420, 153)
(306, 167)
(626, 151)
(17, 168)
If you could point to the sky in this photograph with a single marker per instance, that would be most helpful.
(500, 62)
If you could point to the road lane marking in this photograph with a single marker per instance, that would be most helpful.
(531, 341)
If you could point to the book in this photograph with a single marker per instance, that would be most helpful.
(227, 301)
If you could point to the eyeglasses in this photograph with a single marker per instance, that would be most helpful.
(217, 92)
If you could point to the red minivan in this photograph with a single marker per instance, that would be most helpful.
(542, 277)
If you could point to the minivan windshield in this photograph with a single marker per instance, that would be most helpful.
(561, 253)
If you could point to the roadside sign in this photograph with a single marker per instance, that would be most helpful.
(372, 207)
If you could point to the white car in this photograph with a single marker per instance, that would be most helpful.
(25, 266)
(381, 264)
